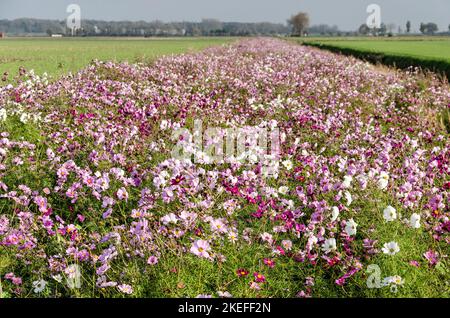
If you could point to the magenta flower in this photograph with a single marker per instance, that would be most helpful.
(259, 278)
(241, 272)
(269, 262)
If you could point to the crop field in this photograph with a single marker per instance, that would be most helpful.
(258, 168)
(58, 57)
(424, 48)
(432, 54)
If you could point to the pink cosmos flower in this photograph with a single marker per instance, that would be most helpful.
(287, 244)
(17, 281)
(432, 257)
(126, 289)
(255, 286)
(218, 226)
(107, 213)
(414, 263)
(122, 194)
(152, 260)
(201, 248)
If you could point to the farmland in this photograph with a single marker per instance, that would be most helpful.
(95, 202)
(57, 56)
(426, 48)
(422, 52)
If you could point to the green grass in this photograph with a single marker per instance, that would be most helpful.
(425, 48)
(425, 52)
(57, 57)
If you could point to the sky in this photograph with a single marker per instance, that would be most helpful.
(346, 14)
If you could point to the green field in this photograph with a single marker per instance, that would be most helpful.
(61, 56)
(427, 53)
(426, 48)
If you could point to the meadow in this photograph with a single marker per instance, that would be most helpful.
(424, 52)
(94, 202)
(60, 56)
(421, 47)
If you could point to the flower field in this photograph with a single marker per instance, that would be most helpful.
(93, 202)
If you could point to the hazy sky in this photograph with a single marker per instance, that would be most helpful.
(347, 14)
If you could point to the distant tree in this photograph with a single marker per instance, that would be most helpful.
(49, 32)
(391, 27)
(383, 29)
(323, 29)
(299, 23)
(408, 27)
(422, 28)
(142, 28)
(449, 28)
(364, 29)
(211, 26)
(428, 28)
(432, 28)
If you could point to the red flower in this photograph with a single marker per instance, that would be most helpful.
(242, 272)
(259, 278)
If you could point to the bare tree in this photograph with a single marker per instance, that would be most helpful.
(299, 23)
(408, 26)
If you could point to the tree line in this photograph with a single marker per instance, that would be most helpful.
(206, 27)
(297, 25)
(429, 28)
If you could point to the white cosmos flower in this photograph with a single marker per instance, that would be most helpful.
(383, 180)
(287, 164)
(395, 280)
(391, 248)
(39, 286)
(329, 245)
(334, 213)
(348, 197)
(350, 227)
(224, 294)
(24, 118)
(169, 218)
(164, 124)
(390, 214)
(415, 221)
(283, 189)
(347, 182)
(58, 278)
(3, 114)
